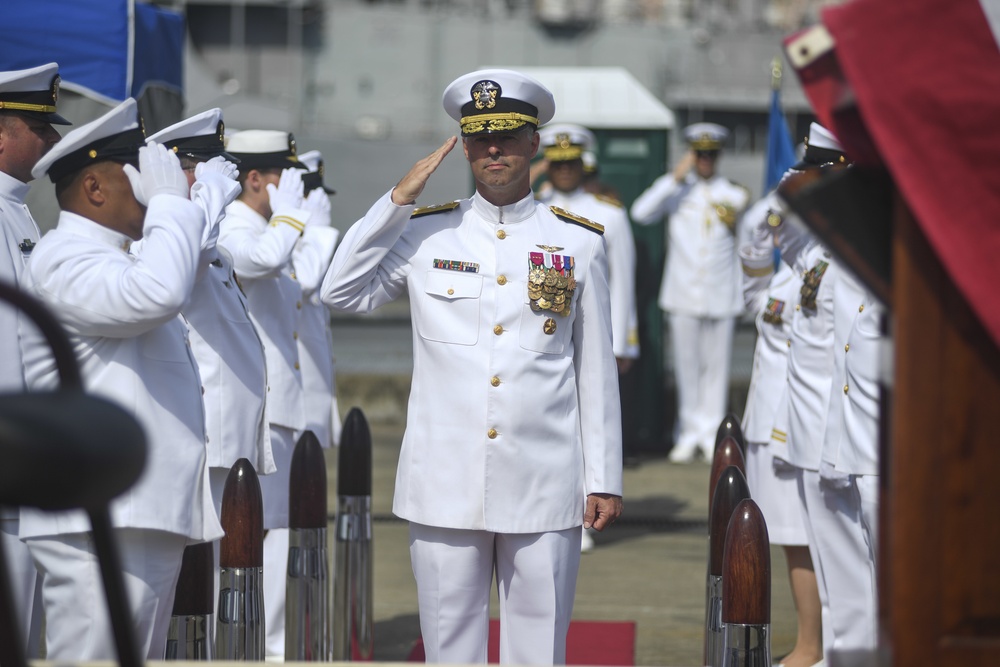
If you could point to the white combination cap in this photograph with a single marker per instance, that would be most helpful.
(497, 100)
(117, 135)
(562, 142)
(313, 161)
(821, 148)
(202, 136)
(705, 136)
(264, 149)
(32, 91)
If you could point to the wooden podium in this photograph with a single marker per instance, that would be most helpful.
(939, 588)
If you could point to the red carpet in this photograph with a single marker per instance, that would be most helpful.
(588, 643)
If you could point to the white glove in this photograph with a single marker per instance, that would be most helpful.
(832, 478)
(288, 194)
(159, 173)
(762, 235)
(219, 165)
(318, 204)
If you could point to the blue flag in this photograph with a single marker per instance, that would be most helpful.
(780, 151)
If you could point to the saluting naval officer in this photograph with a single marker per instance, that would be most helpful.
(120, 309)
(315, 335)
(267, 233)
(701, 288)
(27, 112)
(513, 436)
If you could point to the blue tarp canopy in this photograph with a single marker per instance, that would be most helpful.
(106, 49)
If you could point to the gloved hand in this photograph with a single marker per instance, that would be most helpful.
(762, 235)
(832, 478)
(318, 204)
(217, 164)
(288, 194)
(159, 173)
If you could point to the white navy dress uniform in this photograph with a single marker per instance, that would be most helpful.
(121, 312)
(33, 92)
(315, 334)
(565, 141)
(770, 295)
(701, 287)
(514, 413)
(263, 251)
(224, 341)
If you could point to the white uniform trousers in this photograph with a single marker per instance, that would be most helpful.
(25, 586)
(274, 491)
(77, 623)
(536, 582)
(702, 347)
(776, 490)
(837, 542)
(868, 492)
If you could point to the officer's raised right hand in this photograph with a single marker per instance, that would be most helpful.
(411, 185)
(684, 166)
(287, 196)
(159, 173)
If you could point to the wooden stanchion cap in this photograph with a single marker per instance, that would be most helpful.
(746, 569)
(307, 484)
(242, 519)
(731, 490)
(354, 464)
(728, 453)
(730, 426)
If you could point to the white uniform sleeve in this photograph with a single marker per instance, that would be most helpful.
(621, 270)
(312, 256)
(260, 254)
(660, 199)
(114, 295)
(365, 273)
(597, 381)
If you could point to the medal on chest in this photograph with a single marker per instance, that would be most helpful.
(550, 282)
(810, 284)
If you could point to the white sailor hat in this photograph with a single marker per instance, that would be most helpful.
(32, 91)
(313, 160)
(117, 135)
(821, 148)
(705, 136)
(497, 100)
(264, 149)
(589, 162)
(562, 142)
(201, 137)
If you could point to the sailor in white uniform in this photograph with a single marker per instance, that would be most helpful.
(267, 233)
(121, 310)
(27, 112)
(701, 289)
(513, 435)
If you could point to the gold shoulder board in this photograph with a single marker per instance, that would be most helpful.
(563, 214)
(430, 210)
(610, 200)
(744, 188)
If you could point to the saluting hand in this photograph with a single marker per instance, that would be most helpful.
(684, 166)
(411, 185)
(602, 510)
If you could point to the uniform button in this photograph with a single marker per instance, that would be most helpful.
(861, 308)
(450, 291)
(501, 234)
(298, 305)
(295, 335)
(501, 279)
(495, 381)
(296, 365)
(847, 348)
(789, 341)
(798, 307)
(845, 388)
(498, 329)
(492, 434)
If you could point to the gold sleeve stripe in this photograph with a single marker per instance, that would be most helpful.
(756, 273)
(780, 436)
(292, 222)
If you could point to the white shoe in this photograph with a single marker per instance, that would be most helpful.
(586, 542)
(686, 455)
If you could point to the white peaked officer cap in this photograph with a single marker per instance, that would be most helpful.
(264, 149)
(562, 142)
(705, 136)
(821, 148)
(201, 137)
(34, 92)
(313, 161)
(497, 100)
(117, 135)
